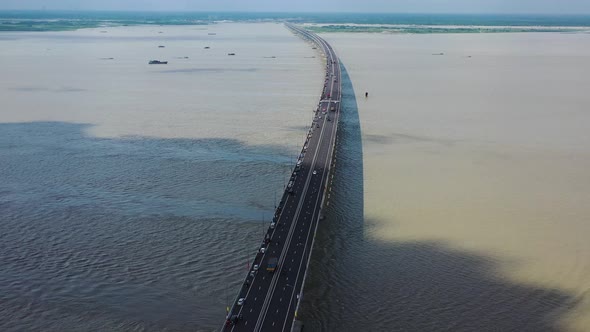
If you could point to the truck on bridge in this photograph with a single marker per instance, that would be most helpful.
(272, 264)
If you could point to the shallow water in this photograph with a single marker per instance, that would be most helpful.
(132, 196)
(475, 194)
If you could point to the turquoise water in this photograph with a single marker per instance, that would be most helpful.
(70, 20)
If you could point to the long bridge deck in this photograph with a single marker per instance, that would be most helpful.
(268, 300)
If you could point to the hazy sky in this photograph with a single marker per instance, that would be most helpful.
(396, 6)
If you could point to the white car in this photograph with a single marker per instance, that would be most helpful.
(262, 250)
(241, 301)
(255, 267)
(272, 225)
(315, 172)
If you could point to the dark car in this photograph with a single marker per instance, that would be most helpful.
(234, 319)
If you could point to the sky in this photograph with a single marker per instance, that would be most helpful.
(387, 6)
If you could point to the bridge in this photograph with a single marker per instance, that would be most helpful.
(272, 291)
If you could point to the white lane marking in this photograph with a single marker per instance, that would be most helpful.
(330, 54)
(254, 279)
(330, 148)
(293, 226)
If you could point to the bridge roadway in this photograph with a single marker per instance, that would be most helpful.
(271, 299)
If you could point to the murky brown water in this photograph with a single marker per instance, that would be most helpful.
(460, 201)
(131, 195)
(476, 188)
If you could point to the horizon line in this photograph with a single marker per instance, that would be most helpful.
(289, 12)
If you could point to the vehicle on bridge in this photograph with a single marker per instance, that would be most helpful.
(233, 319)
(272, 264)
(302, 201)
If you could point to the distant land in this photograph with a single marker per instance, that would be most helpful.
(320, 22)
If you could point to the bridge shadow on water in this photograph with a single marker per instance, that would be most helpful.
(357, 283)
(141, 216)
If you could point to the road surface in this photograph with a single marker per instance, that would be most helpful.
(271, 299)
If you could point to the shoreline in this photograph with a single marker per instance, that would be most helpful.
(437, 29)
(320, 22)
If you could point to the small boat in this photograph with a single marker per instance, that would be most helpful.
(231, 54)
(207, 47)
(211, 33)
(161, 46)
(158, 62)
